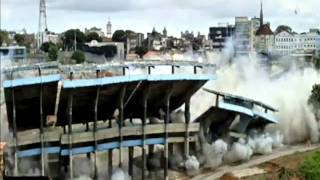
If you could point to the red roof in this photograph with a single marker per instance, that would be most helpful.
(264, 30)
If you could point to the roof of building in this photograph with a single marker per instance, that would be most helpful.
(282, 28)
(264, 30)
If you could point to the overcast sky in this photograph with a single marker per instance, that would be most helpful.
(143, 15)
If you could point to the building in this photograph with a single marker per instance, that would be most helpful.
(187, 35)
(156, 40)
(242, 36)
(283, 41)
(140, 39)
(109, 29)
(51, 37)
(318, 45)
(165, 32)
(290, 43)
(264, 40)
(13, 53)
(134, 40)
(219, 35)
(255, 25)
(245, 33)
(103, 51)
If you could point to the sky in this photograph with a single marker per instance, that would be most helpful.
(143, 15)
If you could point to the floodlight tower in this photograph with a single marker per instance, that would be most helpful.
(42, 28)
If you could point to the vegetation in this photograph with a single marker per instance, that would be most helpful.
(93, 36)
(20, 39)
(46, 45)
(119, 36)
(4, 37)
(310, 168)
(70, 35)
(53, 53)
(78, 56)
(317, 62)
(142, 50)
(314, 99)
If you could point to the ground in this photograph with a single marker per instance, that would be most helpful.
(285, 160)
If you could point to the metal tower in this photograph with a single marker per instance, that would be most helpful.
(42, 28)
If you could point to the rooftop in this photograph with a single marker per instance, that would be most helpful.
(264, 30)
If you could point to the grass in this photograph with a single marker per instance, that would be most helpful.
(310, 168)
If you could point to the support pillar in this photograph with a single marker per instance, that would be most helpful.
(187, 121)
(96, 104)
(15, 138)
(41, 128)
(120, 123)
(131, 154)
(110, 163)
(167, 120)
(144, 119)
(70, 103)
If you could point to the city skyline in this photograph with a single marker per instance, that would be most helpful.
(142, 16)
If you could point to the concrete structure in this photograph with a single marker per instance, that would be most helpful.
(219, 36)
(102, 104)
(218, 122)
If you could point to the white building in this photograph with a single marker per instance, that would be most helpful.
(51, 37)
(288, 43)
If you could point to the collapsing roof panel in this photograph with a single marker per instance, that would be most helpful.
(135, 87)
(27, 99)
(220, 117)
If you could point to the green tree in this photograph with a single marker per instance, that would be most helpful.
(317, 62)
(78, 56)
(129, 33)
(20, 39)
(70, 35)
(46, 45)
(142, 50)
(314, 98)
(53, 53)
(119, 36)
(93, 36)
(4, 37)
